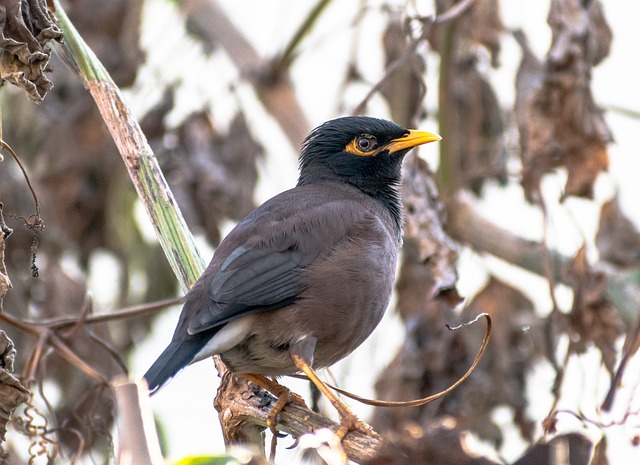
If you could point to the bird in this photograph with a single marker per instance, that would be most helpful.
(305, 278)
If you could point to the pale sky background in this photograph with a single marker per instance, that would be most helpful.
(185, 406)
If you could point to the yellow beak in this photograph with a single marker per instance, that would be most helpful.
(410, 140)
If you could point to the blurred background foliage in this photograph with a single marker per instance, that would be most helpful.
(213, 104)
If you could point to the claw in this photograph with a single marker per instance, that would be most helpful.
(350, 423)
(284, 397)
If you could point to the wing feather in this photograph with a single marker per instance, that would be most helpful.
(266, 274)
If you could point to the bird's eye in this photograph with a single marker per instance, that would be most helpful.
(366, 143)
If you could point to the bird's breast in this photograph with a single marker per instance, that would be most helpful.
(346, 294)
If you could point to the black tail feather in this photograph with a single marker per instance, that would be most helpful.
(175, 357)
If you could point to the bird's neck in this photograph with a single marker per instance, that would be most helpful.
(381, 181)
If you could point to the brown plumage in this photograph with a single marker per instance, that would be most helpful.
(310, 272)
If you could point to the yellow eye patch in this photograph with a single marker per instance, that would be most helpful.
(367, 145)
(363, 145)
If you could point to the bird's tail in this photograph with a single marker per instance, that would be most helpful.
(175, 357)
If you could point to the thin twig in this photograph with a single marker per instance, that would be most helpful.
(66, 352)
(392, 68)
(601, 424)
(37, 223)
(427, 22)
(429, 399)
(631, 345)
(284, 60)
(548, 424)
(127, 312)
(45, 331)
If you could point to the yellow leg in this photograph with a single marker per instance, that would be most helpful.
(349, 421)
(283, 394)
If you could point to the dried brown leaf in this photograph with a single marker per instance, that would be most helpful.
(428, 361)
(426, 294)
(432, 358)
(214, 174)
(470, 115)
(25, 28)
(484, 26)
(5, 282)
(12, 393)
(560, 125)
(424, 220)
(528, 80)
(517, 342)
(618, 239)
(481, 24)
(478, 142)
(153, 124)
(593, 318)
(403, 89)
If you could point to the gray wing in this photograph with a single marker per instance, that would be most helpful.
(258, 276)
(265, 269)
(252, 280)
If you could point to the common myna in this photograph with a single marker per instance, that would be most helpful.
(305, 278)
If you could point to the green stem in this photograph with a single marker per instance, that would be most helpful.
(77, 53)
(153, 190)
(448, 172)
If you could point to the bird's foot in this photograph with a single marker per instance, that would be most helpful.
(283, 395)
(284, 398)
(350, 423)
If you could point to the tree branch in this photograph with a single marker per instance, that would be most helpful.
(466, 226)
(244, 409)
(274, 89)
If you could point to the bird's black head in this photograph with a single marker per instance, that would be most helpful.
(363, 151)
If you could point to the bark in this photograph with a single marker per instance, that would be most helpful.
(243, 409)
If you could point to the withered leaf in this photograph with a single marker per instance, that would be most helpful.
(483, 25)
(593, 318)
(424, 220)
(433, 358)
(25, 28)
(528, 80)
(470, 114)
(477, 142)
(112, 31)
(153, 123)
(12, 393)
(213, 174)
(618, 239)
(565, 128)
(426, 294)
(404, 89)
